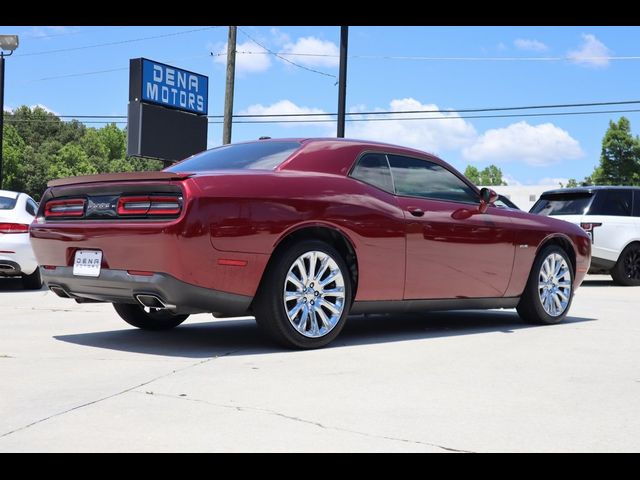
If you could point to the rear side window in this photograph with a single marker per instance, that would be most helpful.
(31, 207)
(256, 156)
(7, 203)
(562, 204)
(636, 203)
(373, 169)
(616, 203)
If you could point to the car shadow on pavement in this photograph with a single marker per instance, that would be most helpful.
(600, 283)
(243, 337)
(13, 285)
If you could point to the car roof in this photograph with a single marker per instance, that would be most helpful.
(589, 189)
(338, 141)
(9, 194)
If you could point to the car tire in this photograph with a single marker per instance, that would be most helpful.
(33, 281)
(320, 295)
(546, 301)
(137, 316)
(626, 271)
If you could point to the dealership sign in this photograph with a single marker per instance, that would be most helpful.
(173, 87)
(167, 114)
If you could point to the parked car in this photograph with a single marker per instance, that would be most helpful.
(299, 233)
(504, 202)
(17, 211)
(611, 217)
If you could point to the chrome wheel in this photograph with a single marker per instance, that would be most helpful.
(314, 294)
(554, 285)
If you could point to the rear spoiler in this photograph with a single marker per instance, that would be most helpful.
(118, 177)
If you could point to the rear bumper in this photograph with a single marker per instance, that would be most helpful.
(117, 286)
(16, 249)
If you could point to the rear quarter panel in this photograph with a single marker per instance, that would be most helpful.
(532, 233)
(253, 213)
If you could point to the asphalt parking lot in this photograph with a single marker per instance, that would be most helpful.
(77, 378)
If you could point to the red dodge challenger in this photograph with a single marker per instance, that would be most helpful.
(300, 233)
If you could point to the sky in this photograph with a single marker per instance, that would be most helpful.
(76, 70)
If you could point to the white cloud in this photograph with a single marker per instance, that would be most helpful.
(279, 37)
(44, 107)
(553, 181)
(501, 47)
(431, 135)
(315, 46)
(538, 145)
(45, 32)
(592, 52)
(529, 44)
(286, 107)
(511, 180)
(257, 61)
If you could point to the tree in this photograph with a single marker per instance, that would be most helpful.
(12, 154)
(473, 174)
(39, 146)
(114, 140)
(490, 176)
(620, 156)
(571, 183)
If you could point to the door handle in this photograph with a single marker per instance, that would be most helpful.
(415, 211)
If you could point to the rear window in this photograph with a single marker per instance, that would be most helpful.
(257, 156)
(563, 204)
(7, 203)
(615, 203)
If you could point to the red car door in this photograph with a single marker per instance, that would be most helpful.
(453, 250)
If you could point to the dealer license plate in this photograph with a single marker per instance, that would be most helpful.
(87, 263)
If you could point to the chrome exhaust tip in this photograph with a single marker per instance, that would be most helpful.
(59, 291)
(153, 301)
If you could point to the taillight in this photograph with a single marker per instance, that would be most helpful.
(589, 228)
(65, 208)
(14, 228)
(149, 205)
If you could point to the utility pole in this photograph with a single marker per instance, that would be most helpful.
(1, 111)
(228, 94)
(8, 43)
(342, 80)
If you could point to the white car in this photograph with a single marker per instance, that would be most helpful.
(17, 211)
(611, 216)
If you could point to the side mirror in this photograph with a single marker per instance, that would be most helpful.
(487, 197)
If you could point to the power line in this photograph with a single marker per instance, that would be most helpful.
(460, 110)
(96, 72)
(430, 58)
(283, 58)
(520, 115)
(399, 112)
(119, 42)
(546, 114)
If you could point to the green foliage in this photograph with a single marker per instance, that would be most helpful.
(38, 147)
(571, 183)
(473, 174)
(490, 176)
(620, 156)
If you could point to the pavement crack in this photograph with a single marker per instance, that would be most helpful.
(102, 399)
(267, 411)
